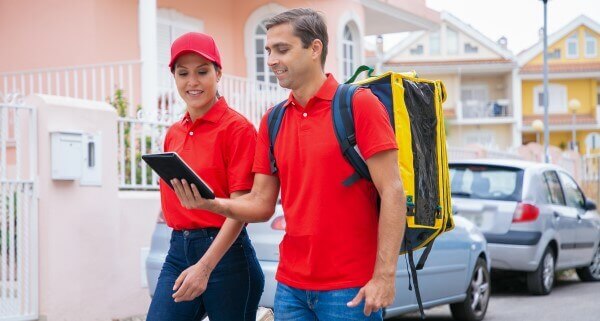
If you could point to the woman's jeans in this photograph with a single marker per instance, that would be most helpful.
(234, 287)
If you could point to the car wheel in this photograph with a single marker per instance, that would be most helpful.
(474, 307)
(591, 273)
(541, 281)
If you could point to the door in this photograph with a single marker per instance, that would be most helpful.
(586, 234)
(565, 219)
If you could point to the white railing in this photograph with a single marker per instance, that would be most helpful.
(18, 210)
(486, 109)
(137, 137)
(249, 97)
(591, 176)
(97, 82)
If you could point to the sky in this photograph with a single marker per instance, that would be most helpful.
(518, 20)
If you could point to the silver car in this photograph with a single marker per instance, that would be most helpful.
(456, 272)
(534, 216)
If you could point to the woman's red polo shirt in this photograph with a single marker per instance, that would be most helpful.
(331, 232)
(220, 148)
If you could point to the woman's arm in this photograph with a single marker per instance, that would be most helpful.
(193, 281)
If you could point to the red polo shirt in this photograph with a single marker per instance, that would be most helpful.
(331, 232)
(219, 147)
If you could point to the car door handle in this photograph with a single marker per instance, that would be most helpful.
(556, 215)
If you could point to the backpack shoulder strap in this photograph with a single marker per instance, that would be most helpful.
(343, 124)
(273, 123)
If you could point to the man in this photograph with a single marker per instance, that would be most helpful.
(339, 254)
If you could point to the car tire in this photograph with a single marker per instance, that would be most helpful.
(541, 281)
(474, 307)
(591, 273)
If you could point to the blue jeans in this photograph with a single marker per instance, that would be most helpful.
(234, 287)
(292, 304)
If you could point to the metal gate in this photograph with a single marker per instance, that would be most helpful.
(591, 176)
(18, 210)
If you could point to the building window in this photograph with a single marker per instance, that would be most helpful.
(591, 46)
(418, 50)
(171, 24)
(349, 52)
(452, 41)
(263, 72)
(471, 49)
(572, 46)
(555, 54)
(434, 43)
(557, 102)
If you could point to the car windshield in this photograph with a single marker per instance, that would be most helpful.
(486, 182)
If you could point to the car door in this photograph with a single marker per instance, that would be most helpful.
(586, 234)
(565, 219)
(446, 264)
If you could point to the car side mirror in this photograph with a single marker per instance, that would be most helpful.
(589, 205)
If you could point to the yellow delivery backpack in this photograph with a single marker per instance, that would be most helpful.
(414, 106)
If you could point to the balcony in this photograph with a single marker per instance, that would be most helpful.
(477, 109)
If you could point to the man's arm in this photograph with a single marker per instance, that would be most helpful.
(256, 206)
(379, 292)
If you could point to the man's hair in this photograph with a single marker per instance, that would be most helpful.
(308, 25)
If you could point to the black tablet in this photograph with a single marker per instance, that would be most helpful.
(169, 166)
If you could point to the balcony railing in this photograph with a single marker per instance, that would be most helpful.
(249, 97)
(96, 82)
(486, 109)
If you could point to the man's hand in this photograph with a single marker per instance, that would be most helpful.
(192, 282)
(189, 196)
(378, 293)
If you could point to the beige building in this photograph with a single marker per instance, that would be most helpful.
(483, 105)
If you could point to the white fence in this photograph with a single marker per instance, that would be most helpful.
(98, 82)
(18, 210)
(591, 176)
(249, 97)
(136, 138)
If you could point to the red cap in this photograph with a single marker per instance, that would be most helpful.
(198, 43)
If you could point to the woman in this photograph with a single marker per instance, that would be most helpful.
(211, 267)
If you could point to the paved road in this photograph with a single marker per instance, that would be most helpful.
(570, 300)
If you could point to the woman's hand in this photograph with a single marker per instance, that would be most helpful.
(192, 282)
(189, 196)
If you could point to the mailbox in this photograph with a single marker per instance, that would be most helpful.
(77, 156)
(67, 155)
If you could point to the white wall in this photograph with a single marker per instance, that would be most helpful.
(89, 236)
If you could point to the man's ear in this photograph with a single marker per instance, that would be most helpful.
(317, 48)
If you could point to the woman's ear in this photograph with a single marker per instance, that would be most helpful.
(219, 74)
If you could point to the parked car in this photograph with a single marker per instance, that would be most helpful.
(457, 271)
(534, 216)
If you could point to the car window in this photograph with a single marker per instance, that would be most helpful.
(573, 194)
(486, 182)
(556, 194)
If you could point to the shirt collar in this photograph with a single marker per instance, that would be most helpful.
(326, 92)
(213, 115)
